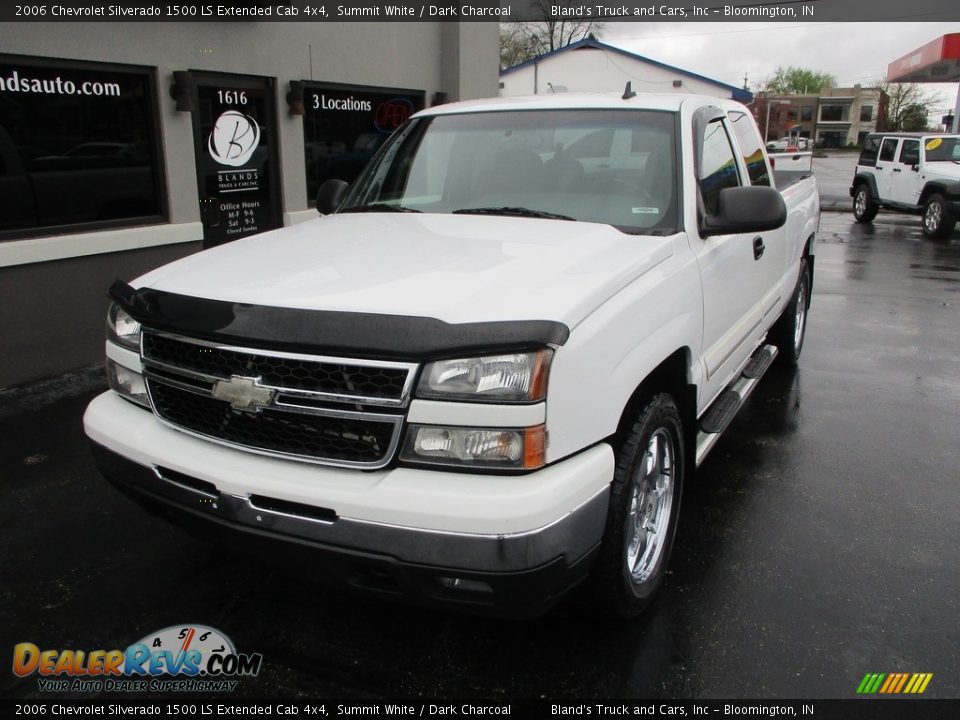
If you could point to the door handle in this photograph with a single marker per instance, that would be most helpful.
(758, 248)
(896, 170)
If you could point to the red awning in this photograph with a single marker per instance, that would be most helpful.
(937, 61)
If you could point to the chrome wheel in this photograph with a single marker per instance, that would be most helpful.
(650, 503)
(800, 319)
(860, 203)
(933, 216)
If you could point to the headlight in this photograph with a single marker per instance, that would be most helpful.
(518, 377)
(504, 448)
(122, 329)
(127, 383)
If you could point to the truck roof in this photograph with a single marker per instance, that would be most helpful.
(575, 101)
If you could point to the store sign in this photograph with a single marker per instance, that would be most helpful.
(343, 127)
(236, 156)
(233, 139)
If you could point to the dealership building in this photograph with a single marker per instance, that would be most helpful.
(124, 146)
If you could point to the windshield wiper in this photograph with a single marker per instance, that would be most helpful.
(379, 207)
(514, 211)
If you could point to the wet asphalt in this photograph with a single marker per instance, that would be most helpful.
(817, 543)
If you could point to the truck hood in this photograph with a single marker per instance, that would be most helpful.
(456, 268)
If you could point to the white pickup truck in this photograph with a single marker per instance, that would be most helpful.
(486, 374)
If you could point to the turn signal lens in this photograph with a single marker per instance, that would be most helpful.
(510, 449)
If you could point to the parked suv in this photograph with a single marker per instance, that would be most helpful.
(909, 172)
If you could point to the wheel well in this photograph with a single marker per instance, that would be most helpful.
(810, 262)
(929, 190)
(869, 181)
(669, 376)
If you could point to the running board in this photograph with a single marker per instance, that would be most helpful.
(725, 407)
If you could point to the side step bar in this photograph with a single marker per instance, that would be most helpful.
(719, 415)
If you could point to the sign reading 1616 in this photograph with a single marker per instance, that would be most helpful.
(232, 97)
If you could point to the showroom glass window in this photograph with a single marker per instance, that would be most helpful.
(79, 147)
(345, 125)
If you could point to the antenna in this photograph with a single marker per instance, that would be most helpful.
(628, 92)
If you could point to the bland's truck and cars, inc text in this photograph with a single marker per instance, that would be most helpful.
(485, 375)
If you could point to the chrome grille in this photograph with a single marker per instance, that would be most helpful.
(334, 411)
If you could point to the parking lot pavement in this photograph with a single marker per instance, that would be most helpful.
(817, 543)
(834, 174)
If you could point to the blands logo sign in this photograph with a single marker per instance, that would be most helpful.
(234, 138)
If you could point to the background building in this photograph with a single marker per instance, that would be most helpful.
(835, 117)
(124, 146)
(592, 66)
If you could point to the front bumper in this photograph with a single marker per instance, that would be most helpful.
(516, 572)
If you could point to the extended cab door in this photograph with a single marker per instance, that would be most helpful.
(884, 168)
(905, 174)
(732, 268)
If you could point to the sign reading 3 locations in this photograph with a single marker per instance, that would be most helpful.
(344, 125)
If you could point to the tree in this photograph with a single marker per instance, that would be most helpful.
(914, 118)
(907, 106)
(797, 81)
(520, 41)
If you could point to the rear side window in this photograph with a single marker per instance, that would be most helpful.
(888, 150)
(750, 146)
(871, 149)
(718, 167)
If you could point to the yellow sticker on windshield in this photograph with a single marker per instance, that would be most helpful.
(934, 144)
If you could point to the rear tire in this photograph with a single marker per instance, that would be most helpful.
(864, 207)
(790, 329)
(937, 222)
(643, 512)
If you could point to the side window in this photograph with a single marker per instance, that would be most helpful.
(749, 140)
(910, 152)
(888, 150)
(871, 149)
(718, 166)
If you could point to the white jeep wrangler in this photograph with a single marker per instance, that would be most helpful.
(909, 172)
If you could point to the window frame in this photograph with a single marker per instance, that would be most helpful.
(893, 155)
(734, 149)
(158, 169)
(755, 135)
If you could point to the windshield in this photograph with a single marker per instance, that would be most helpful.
(939, 149)
(616, 167)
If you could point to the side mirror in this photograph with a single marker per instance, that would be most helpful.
(915, 167)
(330, 195)
(745, 210)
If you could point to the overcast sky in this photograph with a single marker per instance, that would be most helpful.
(852, 52)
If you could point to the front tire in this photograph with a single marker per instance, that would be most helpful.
(864, 207)
(791, 328)
(937, 222)
(644, 508)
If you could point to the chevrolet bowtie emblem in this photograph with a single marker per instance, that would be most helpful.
(243, 393)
